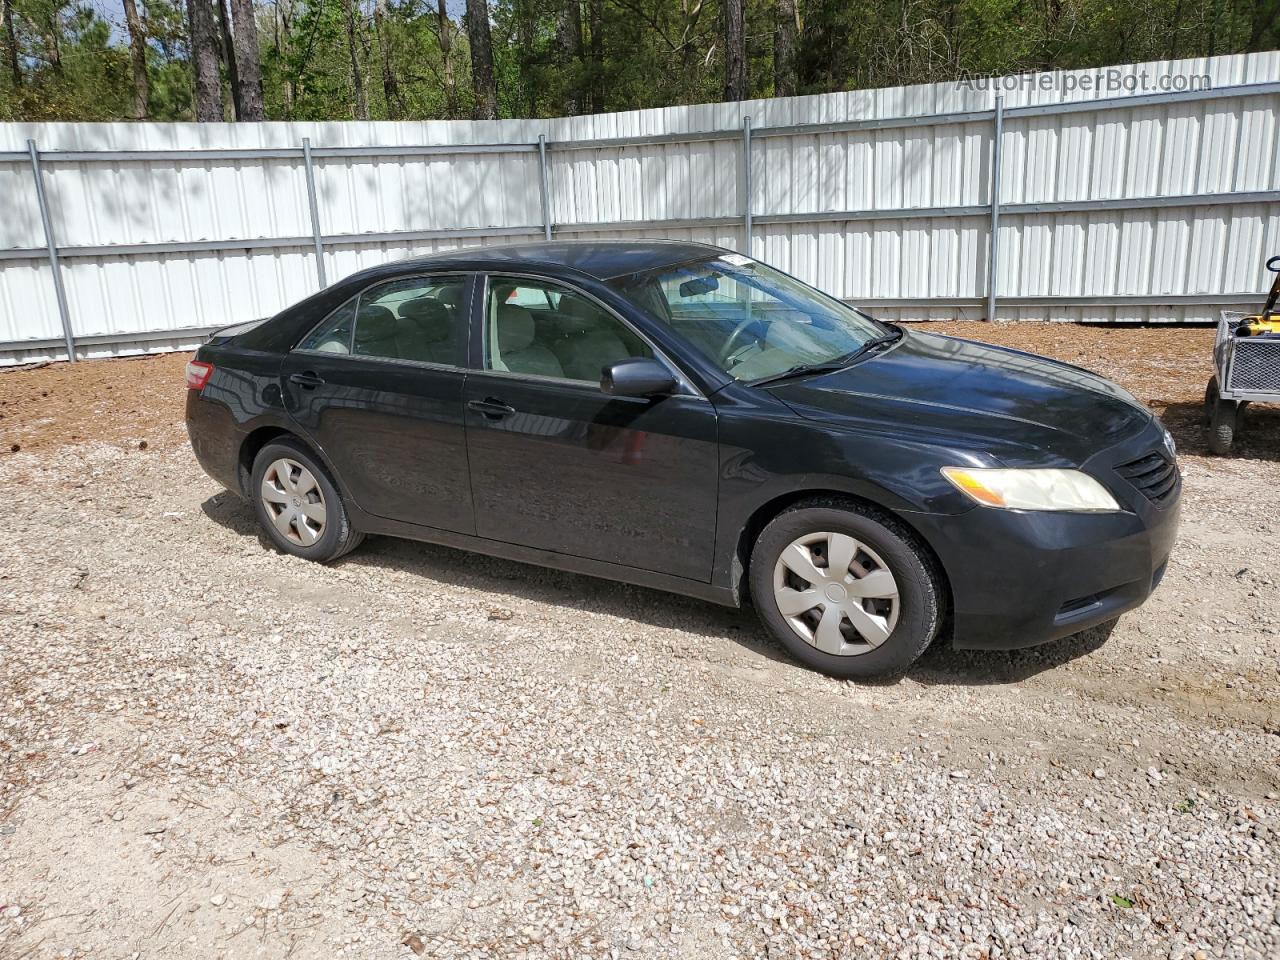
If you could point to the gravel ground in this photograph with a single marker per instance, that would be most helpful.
(210, 749)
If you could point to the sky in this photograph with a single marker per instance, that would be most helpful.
(113, 12)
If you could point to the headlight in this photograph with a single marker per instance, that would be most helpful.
(1032, 489)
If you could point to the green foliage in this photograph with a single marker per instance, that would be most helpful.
(72, 70)
(166, 29)
(634, 53)
(309, 79)
(864, 43)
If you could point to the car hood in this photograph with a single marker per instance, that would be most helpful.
(1018, 407)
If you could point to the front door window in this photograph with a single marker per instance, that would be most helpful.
(542, 329)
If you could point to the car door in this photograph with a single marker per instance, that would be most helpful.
(378, 385)
(559, 465)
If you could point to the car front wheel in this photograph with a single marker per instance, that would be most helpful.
(847, 590)
(298, 505)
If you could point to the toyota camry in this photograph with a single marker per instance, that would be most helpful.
(686, 418)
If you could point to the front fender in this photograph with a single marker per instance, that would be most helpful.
(769, 458)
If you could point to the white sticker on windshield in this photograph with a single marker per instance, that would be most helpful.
(737, 260)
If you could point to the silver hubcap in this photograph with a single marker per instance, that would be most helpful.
(294, 501)
(836, 593)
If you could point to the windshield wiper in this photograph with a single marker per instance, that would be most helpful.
(799, 370)
(829, 366)
(894, 335)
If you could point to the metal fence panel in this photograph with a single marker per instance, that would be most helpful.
(1113, 204)
(28, 310)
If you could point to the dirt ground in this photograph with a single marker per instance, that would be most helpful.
(211, 750)
(118, 401)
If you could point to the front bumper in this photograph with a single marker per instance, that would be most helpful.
(1020, 578)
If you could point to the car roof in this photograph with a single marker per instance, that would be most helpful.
(602, 259)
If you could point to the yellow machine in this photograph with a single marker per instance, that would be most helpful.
(1258, 325)
(1265, 323)
(1246, 359)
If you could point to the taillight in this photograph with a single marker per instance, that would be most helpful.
(198, 374)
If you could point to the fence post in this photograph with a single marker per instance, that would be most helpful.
(63, 313)
(993, 246)
(544, 186)
(315, 210)
(746, 181)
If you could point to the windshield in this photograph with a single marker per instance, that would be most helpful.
(753, 321)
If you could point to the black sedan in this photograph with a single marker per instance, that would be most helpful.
(682, 417)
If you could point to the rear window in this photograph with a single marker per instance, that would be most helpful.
(236, 329)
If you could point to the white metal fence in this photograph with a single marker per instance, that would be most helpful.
(1115, 203)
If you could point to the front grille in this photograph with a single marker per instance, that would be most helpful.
(1156, 475)
(1256, 365)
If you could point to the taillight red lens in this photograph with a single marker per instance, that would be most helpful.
(198, 374)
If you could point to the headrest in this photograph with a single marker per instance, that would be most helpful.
(374, 323)
(514, 326)
(576, 306)
(553, 325)
(430, 319)
(450, 295)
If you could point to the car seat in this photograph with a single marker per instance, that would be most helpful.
(593, 341)
(425, 332)
(376, 331)
(451, 295)
(517, 348)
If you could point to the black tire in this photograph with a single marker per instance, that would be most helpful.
(1210, 398)
(337, 537)
(922, 594)
(1222, 427)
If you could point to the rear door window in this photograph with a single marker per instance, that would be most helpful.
(420, 319)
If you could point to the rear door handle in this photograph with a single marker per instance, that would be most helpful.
(491, 408)
(307, 380)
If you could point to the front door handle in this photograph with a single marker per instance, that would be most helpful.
(307, 380)
(491, 408)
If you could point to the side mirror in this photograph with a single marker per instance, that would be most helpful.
(637, 377)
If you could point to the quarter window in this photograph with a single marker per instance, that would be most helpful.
(333, 335)
(547, 330)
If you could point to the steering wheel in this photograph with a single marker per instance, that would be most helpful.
(726, 352)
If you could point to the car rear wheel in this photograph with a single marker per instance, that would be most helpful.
(298, 505)
(845, 589)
